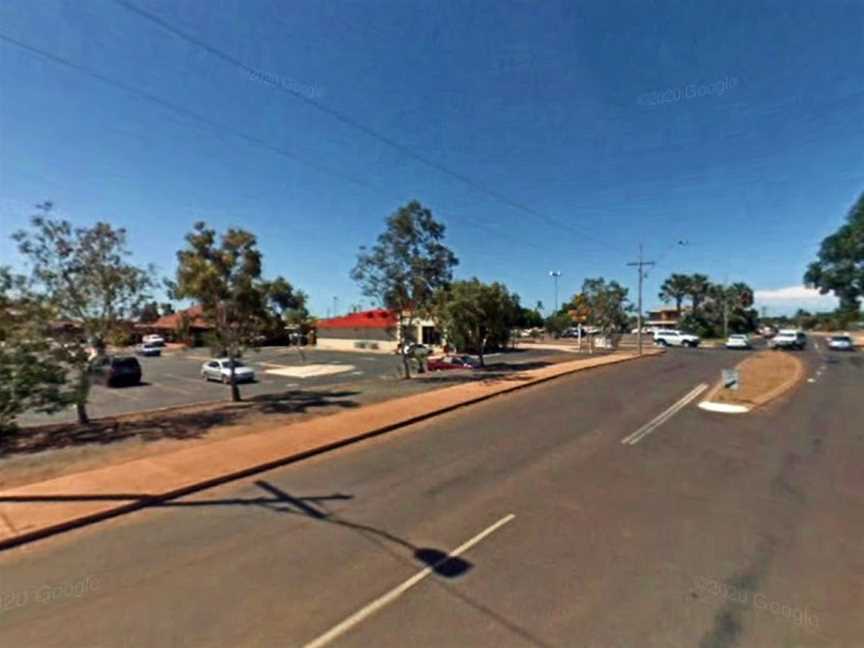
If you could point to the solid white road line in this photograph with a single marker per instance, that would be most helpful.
(384, 600)
(653, 424)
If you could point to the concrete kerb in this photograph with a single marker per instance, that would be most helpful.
(144, 500)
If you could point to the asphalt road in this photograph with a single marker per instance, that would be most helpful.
(711, 531)
(175, 378)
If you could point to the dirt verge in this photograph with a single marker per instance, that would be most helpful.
(763, 377)
(44, 452)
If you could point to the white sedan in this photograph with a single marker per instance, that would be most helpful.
(220, 369)
(737, 341)
(841, 343)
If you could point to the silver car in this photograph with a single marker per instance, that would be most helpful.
(841, 343)
(220, 369)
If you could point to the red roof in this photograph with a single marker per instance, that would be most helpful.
(172, 321)
(374, 319)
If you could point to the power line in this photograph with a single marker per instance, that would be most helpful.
(349, 121)
(218, 128)
(59, 60)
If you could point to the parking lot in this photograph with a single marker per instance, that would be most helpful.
(175, 379)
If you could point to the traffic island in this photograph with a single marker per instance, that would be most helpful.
(758, 380)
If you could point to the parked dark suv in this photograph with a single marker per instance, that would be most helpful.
(114, 371)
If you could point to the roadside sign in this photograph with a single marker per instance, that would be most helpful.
(731, 378)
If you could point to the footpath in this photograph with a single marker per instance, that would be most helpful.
(45, 508)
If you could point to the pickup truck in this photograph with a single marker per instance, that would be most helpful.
(668, 337)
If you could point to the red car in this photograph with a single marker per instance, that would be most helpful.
(451, 362)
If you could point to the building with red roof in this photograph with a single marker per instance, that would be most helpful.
(371, 330)
(171, 326)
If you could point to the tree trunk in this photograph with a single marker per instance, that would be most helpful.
(482, 349)
(235, 390)
(81, 396)
(404, 343)
(81, 411)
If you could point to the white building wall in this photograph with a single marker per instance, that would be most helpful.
(339, 344)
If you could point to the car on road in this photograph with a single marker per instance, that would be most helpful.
(116, 371)
(788, 339)
(156, 340)
(452, 362)
(841, 343)
(220, 369)
(738, 341)
(671, 337)
(148, 349)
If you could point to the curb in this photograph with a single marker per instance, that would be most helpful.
(144, 500)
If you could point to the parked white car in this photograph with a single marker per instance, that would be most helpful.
(220, 369)
(737, 341)
(841, 343)
(671, 337)
(153, 340)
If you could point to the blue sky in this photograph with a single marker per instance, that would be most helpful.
(734, 126)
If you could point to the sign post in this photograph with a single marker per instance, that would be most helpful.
(731, 379)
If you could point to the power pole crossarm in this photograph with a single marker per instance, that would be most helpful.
(640, 265)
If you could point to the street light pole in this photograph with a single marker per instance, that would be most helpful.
(555, 274)
(640, 264)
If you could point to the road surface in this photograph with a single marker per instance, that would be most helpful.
(709, 531)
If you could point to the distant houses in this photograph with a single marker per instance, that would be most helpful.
(187, 326)
(666, 318)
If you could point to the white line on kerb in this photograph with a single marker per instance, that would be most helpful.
(384, 600)
(653, 424)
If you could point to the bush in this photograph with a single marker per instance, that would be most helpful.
(698, 324)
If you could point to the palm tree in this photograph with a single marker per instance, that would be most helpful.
(699, 289)
(675, 288)
(741, 295)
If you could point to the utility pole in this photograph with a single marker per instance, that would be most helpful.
(640, 264)
(725, 307)
(555, 274)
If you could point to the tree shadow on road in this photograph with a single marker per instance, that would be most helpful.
(491, 373)
(299, 401)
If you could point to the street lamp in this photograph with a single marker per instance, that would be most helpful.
(555, 274)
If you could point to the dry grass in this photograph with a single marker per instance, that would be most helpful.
(761, 374)
(45, 452)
